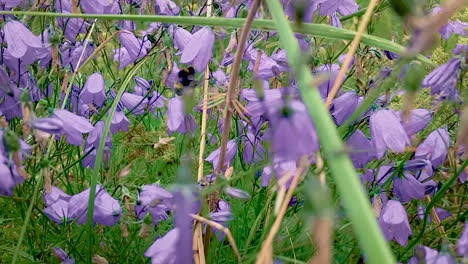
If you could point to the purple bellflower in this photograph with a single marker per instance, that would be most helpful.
(63, 256)
(166, 8)
(136, 103)
(71, 53)
(292, 131)
(201, 49)
(441, 213)
(132, 49)
(100, 6)
(231, 150)
(222, 215)
(343, 107)
(408, 187)
(434, 147)
(119, 122)
(361, 149)
(9, 175)
(57, 205)
(387, 132)
(74, 126)
(253, 149)
(95, 135)
(443, 79)
(394, 223)
(177, 121)
(418, 120)
(107, 210)
(164, 249)
(452, 27)
(330, 70)
(21, 42)
(462, 243)
(267, 67)
(155, 200)
(94, 90)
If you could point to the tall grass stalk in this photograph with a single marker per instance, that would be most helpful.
(355, 201)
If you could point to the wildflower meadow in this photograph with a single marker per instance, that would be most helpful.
(233, 131)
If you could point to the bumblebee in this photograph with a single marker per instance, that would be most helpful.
(186, 81)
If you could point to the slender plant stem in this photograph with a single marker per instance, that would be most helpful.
(99, 154)
(317, 30)
(227, 113)
(355, 201)
(352, 50)
(28, 216)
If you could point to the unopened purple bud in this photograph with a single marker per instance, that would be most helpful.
(237, 193)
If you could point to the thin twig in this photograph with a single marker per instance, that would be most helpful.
(352, 50)
(222, 229)
(265, 255)
(227, 114)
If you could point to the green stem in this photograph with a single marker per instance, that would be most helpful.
(355, 201)
(317, 30)
(434, 200)
(28, 217)
(98, 161)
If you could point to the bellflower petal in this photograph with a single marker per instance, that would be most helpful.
(343, 107)
(164, 249)
(462, 243)
(231, 150)
(408, 188)
(434, 147)
(74, 126)
(361, 149)
(94, 90)
(418, 120)
(201, 49)
(394, 223)
(19, 39)
(387, 132)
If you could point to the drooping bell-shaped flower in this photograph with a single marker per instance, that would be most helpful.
(74, 126)
(181, 38)
(360, 149)
(119, 122)
(407, 188)
(331, 72)
(253, 149)
(166, 8)
(423, 254)
(95, 135)
(100, 6)
(417, 121)
(343, 107)
(443, 79)
(394, 223)
(231, 150)
(57, 205)
(267, 67)
(462, 243)
(201, 49)
(441, 213)
(20, 40)
(164, 249)
(153, 199)
(94, 90)
(134, 103)
(387, 132)
(177, 121)
(107, 210)
(434, 147)
(292, 132)
(75, 53)
(222, 215)
(132, 49)
(62, 256)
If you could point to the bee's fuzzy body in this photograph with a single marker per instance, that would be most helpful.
(185, 82)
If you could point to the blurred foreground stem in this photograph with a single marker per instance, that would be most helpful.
(355, 201)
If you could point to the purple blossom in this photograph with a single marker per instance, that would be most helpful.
(164, 249)
(94, 90)
(48, 125)
(280, 170)
(387, 132)
(394, 223)
(231, 150)
(452, 27)
(71, 53)
(20, 40)
(73, 126)
(119, 122)
(441, 213)
(177, 121)
(267, 67)
(135, 103)
(330, 70)
(107, 210)
(95, 135)
(132, 49)
(222, 215)
(292, 132)
(153, 199)
(100, 6)
(407, 188)
(237, 193)
(166, 8)
(57, 205)
(443, 79)
(462, 243)
(344, 106)
(201, 49)
(434, 147)
(63, 256)
(9, 176)
(361, 149)
(423, 255)
(460, 49)
(253, 149)
(417, 121)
